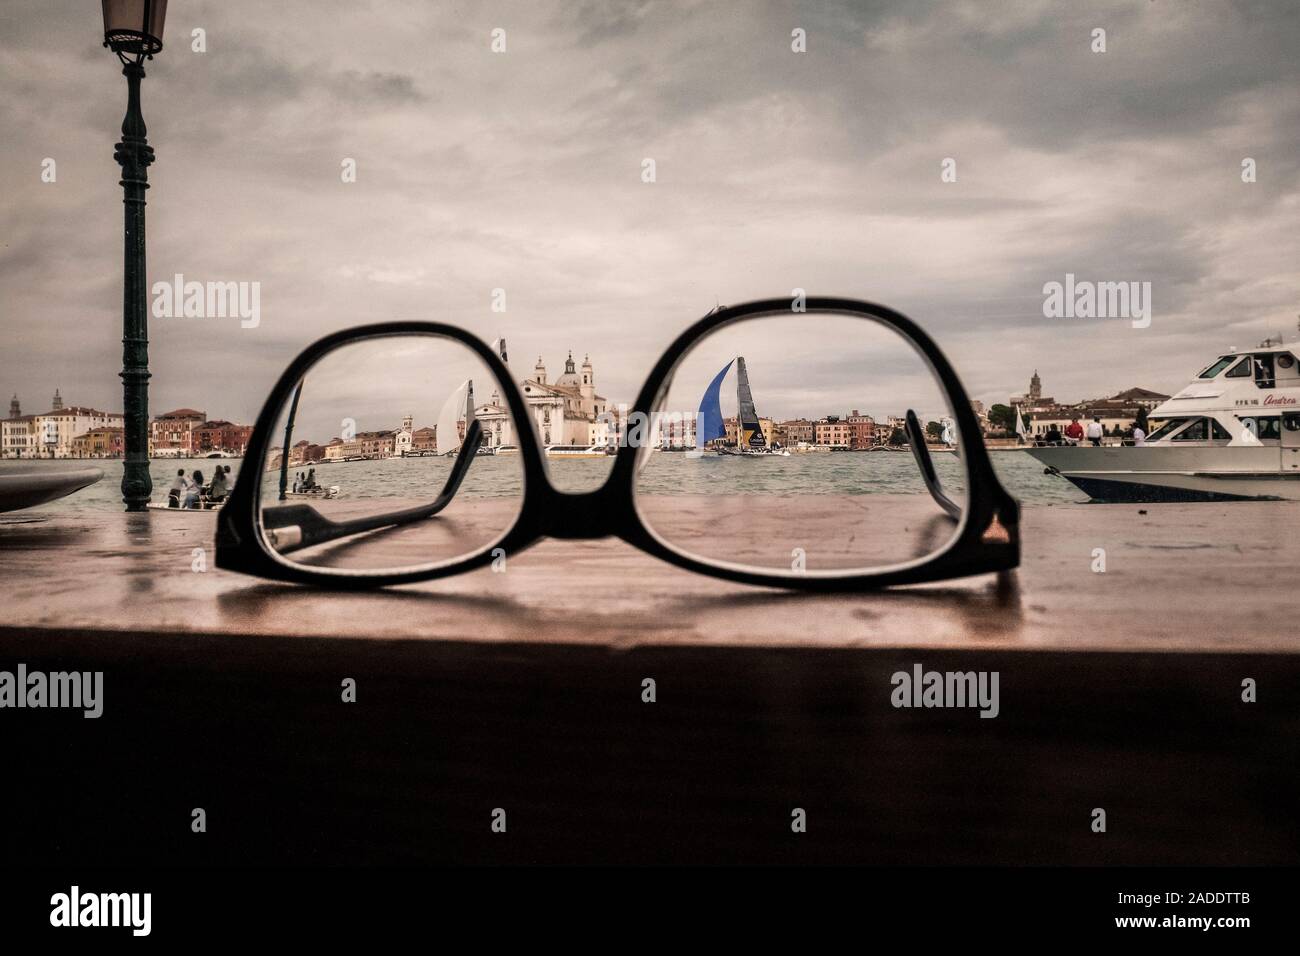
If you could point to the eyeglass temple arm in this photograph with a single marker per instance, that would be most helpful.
(292, 527)
(916, 439)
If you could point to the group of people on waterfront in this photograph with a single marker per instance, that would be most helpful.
(1076, 433)
(303, 484)
(189, 491)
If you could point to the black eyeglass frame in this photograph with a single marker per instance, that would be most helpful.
(987, 540)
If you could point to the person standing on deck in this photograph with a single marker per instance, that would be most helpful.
(1074, 431)
(1139, 436)
(1095, 431)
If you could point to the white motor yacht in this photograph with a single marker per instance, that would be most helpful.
(1233, 433)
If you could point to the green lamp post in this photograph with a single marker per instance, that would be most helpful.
(133, 30)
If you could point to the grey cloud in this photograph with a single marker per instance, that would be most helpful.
(775, 170)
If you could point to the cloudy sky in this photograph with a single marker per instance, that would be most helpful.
(774, 170)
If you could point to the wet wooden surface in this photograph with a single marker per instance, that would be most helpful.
(1178, 577)
(523, 691)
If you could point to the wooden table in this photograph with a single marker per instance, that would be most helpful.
(523, 691)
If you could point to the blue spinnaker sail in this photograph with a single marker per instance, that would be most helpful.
(710, 425)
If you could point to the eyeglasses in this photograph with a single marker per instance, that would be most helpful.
(406, 451)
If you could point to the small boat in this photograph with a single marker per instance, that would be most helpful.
(576, 451)
(1232, 434)
(736, 452)
(324, 492)
(205, 505)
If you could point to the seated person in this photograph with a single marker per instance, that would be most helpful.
(193, 490)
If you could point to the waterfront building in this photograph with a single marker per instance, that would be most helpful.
(833, 432)
(1138, 397)
(56, 429)
(18, 436)
(862, 430)
(565, 412)
(893, 423)
(106, 442)
(170, 434)
(403, 437)
(616, 427)
(424, 441)
(16, 431)
(798, 430)
(189, 433)
(54, 434)
(299, 453)
(219, 436)
(676, 432)
(313, 453)
(378, 444)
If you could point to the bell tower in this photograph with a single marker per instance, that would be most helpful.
(15, 410)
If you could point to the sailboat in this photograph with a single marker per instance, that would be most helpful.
(458, 408)
(749, 431)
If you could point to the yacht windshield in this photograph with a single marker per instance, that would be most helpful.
(1164, 430)
(1196, 431)
(1217, 367)
(1240, 370)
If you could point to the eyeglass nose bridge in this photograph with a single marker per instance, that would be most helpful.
(581, 516)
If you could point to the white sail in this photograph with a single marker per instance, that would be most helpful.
(450, 419)
(1020, 426)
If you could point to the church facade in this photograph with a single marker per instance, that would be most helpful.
(566, 411)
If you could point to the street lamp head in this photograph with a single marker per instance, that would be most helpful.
(134, 28)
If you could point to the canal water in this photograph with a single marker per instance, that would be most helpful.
(666, 473)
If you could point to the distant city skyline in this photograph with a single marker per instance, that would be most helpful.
(523, 172)
(58, 401)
